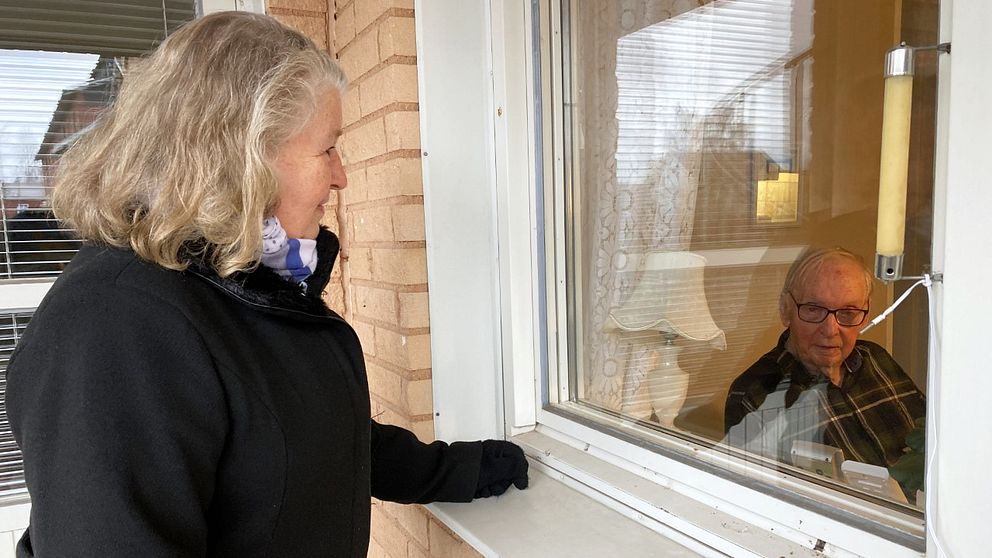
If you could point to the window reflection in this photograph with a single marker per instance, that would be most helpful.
(822, 399)
(50, 99)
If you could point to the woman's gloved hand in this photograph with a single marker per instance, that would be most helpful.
(503, 464)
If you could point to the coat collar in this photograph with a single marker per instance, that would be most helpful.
(267, 290)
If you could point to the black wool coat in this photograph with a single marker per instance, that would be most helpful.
(165, 413)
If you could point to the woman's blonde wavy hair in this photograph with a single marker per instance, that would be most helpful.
(179, 166)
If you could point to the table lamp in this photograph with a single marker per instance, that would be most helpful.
(668, 297)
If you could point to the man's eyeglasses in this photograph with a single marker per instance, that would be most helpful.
(847, 317)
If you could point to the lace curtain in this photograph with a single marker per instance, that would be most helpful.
(640, 166)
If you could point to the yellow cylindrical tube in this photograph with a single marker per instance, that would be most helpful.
(894, 165)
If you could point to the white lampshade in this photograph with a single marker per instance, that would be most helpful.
(669, 297)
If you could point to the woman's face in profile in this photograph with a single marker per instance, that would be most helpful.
(308, 167)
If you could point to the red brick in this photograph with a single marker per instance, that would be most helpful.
(408, 222)
(402, 130)
(314, 27)
(395, 177)
(366, 141)
(413, 519)
(344, 27)
(374, 224)
(400, 266)
(397, 36)
(445, 544)
(411, 352)
(378, 304)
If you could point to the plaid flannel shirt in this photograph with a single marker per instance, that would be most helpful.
(868, 416)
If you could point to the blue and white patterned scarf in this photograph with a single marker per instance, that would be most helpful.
(295, 259)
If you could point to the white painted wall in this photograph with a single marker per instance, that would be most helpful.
(964, 451)
(14, 518)
(8, 543)
(513, 94)
(456, 135)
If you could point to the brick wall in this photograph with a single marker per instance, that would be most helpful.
(311, 17)
(380, 284)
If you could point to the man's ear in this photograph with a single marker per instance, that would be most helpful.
(784, 311)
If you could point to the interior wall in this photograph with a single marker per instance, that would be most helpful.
(919, 26)
(851, 38)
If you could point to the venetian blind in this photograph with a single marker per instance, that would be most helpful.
(11, 465)
(729, 83)
(60, 66)
(680, 115)
(107, 27)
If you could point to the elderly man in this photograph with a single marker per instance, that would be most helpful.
(821, 384)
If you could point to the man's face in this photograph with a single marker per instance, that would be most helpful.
(838, 283)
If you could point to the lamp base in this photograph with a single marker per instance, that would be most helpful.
(668, 385)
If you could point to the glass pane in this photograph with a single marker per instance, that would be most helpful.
(49, 99)
(708, 146)
(56, 76)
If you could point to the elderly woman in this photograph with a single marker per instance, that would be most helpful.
(183, 390)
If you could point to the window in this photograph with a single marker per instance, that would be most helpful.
(52, 96)
(703, 147)
(60, 65)
(11, 474)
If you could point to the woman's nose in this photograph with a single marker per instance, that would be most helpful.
(339, 179)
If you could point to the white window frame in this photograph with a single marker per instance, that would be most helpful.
(508, 255)
(824, 515)
(209, 6)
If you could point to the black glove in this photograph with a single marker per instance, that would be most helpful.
(503, 464)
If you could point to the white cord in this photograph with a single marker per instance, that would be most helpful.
(933, 400)
(878, 319)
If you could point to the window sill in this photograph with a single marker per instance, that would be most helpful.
(567, 512)
(551, 519)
